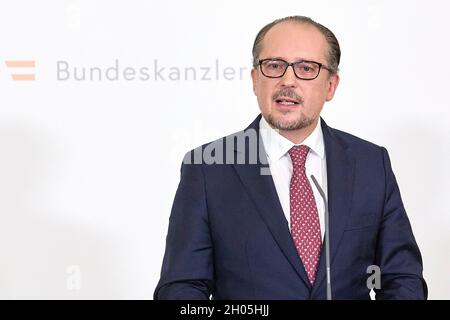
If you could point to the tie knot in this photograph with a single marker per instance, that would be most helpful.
(298, 156)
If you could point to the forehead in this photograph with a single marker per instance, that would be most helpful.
(294, 40)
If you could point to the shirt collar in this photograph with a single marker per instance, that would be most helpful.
(277, 146)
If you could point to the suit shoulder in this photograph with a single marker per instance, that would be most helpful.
(356, 143)
(216, 151)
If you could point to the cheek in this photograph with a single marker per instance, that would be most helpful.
(316, 96)
(264, 90)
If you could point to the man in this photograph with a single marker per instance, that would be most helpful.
(240, 229)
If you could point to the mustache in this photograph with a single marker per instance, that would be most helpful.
(289, 93)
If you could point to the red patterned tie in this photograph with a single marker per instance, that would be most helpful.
(305, 225)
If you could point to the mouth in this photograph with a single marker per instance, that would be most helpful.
(287, 102)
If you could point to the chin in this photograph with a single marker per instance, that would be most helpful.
(288, 122)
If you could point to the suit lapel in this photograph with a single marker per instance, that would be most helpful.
(263, 193)
(340, 172)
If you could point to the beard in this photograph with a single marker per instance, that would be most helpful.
(289, 125)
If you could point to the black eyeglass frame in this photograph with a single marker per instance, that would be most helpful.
(292, 64)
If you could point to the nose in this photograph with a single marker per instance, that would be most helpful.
(289, 79)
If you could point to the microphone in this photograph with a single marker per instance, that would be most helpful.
(327, 237)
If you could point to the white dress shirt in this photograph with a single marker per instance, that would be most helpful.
(280, 164)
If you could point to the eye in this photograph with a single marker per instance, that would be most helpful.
(274, 65)
(307, 68)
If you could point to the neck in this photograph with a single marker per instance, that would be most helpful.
(298, 136)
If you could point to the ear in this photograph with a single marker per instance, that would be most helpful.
(333, 82)
(254, 74)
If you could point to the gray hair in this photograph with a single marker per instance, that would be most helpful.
(334, 51)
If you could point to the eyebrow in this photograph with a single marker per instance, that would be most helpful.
(324, 65)
(295, 60)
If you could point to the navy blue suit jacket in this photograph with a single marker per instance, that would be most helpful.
(229, 239)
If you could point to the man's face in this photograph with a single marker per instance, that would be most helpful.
(292, 41)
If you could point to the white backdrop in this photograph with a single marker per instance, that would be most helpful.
(89, 167)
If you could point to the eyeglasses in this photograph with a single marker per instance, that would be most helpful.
(303, 69)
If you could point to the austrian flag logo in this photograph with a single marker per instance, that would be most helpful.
(21, 70)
